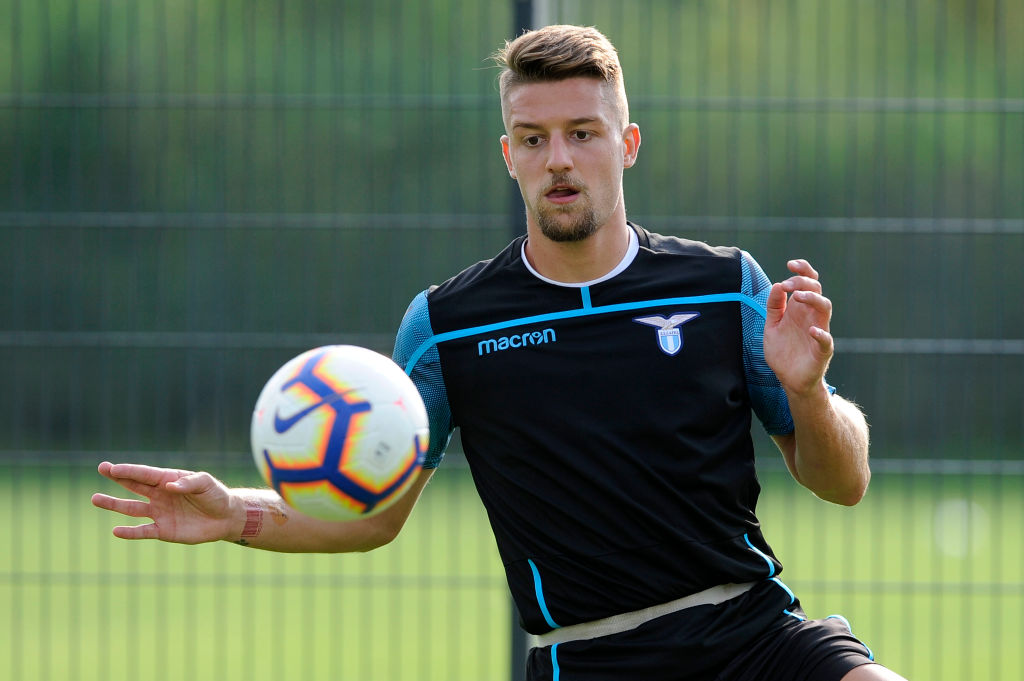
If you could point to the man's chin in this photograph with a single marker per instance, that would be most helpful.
(575, 228)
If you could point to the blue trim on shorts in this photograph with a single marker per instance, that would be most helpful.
(871, 655)
(555, 671)
(792, 599)
(773, 578)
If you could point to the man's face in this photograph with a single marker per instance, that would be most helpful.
(567, 149)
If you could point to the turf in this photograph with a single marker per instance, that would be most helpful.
(926, 568)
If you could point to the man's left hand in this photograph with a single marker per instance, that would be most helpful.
(797, 342)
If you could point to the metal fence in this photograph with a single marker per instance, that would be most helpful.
(194, 192)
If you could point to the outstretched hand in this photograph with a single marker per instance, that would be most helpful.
(797, 342)
(186, 507)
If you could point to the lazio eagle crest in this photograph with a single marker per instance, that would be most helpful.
(670, 336)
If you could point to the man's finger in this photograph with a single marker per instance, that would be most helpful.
(824, 339)
(802, 283)
(147, 475)
(801, 266)
(193, 483)
(815, 300)
(129, 507)
(140, 488)
(775, 306)
(148, 531)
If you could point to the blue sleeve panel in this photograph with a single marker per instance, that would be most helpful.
(426, 374)
(766, 394)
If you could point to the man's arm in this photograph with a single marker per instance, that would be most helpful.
(828, 450)
(190, 508)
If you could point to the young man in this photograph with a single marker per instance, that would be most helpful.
(603, 378)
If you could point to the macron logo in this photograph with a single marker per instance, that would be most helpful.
(519, 340)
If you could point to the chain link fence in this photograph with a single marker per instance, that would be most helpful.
(194, 192)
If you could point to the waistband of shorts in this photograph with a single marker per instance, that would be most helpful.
(616, 624)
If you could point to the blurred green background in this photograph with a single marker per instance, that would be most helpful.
(192, 193)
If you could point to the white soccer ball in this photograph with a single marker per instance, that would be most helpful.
(339, 432)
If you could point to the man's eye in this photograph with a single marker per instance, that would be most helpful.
(532, 140)
(580, 135)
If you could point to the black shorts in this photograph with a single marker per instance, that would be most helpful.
(800, 650)
(738, 640)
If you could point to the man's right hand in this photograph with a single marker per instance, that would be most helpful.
(186, 507)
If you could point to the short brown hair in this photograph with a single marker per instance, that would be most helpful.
(558, 52)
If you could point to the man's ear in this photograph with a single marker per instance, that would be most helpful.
(631, 141)
(507, 157)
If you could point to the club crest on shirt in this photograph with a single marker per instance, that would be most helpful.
(670, 336)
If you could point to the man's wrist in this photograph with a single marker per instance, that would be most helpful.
(250, 511)
(253, 518)
(815, 396)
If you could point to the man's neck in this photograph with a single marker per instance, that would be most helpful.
(573, 262)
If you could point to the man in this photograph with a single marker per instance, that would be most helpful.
(603, 378)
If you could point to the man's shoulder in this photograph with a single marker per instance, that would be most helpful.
(662, 243)
(490, 272)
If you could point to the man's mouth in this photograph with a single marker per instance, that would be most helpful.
(562, 194)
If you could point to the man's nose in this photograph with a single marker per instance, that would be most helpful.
(559, 155)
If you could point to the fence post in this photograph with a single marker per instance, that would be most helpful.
(522, 20)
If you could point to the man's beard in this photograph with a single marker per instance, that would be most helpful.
(582, 223)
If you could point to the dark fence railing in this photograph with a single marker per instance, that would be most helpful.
(194, 192)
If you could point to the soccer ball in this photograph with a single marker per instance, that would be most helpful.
(339, 432)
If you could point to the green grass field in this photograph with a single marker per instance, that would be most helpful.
(927, 569)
